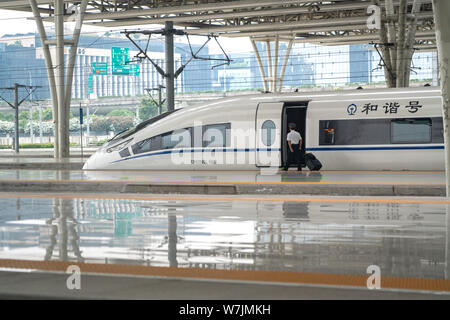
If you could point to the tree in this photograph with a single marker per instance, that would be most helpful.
(6, 116)
(113, 123)
(6, 127)
(121, 113)
(100, 124)
(148, 109)
(47, 114)
(24, 115)
(119, 124)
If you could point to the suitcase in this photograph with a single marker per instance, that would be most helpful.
(312, 162)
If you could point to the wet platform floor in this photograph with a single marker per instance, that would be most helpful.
(274, 239)
(256, 176)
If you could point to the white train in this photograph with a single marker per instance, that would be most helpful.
(389, 129)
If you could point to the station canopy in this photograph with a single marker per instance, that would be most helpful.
(321, 22)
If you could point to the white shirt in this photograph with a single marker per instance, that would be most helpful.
(294, 137)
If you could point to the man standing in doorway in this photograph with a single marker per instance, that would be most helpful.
(294, 140)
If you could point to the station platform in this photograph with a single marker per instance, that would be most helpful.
(343, 183)
(43, 159)
(130, 246)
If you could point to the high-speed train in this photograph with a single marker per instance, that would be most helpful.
(369, 129)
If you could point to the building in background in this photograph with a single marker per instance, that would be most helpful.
(309, 65)
(360, 64)
(22, 60)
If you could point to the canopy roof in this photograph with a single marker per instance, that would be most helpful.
(327, 22)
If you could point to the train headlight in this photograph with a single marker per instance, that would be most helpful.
(119, 146)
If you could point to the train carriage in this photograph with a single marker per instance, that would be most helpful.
(370, 129)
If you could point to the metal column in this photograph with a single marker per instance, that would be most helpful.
(50, 72)
(73, 52)
(270, 66)
(60, 86)
(283, 68)
(273, 81)
(63, 112)
(260, 65)
(170, 73)
(160, 101)
(401, 50)
(16, 117)
(441, 10)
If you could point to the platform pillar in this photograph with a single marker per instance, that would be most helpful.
(273, 79)
(441, 10)
(63, 112)
(170, 71)
(60, 82)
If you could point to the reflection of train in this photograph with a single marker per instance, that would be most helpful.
(395, 129)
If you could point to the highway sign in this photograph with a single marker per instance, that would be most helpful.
(100, 68)
(135, 70)
(120, 59)
(90, 84)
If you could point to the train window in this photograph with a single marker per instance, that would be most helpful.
(142, 146)
(411, 130)
(328, 133)
(216, 135)
(119, 146)
(126, 133)
(354, 132)
(381, 131)
(177, 139)
(268, 133)
(125, 153)
(438, 130)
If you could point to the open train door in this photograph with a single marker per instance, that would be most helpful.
(268, 134)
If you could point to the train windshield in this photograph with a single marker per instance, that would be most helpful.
(140, 126)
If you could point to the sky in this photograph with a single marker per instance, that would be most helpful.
(12, 22)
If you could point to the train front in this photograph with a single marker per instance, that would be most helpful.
(108, 155)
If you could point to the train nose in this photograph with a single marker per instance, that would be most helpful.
(90, 163)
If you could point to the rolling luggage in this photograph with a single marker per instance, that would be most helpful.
(312, 162)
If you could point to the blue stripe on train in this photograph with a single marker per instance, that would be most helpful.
(197, 150)
(377, 148)
(278, 149)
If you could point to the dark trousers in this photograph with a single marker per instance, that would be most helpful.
(294, 157)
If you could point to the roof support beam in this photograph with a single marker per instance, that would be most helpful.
(228, 15)
(289, 26)
(192, 8)
(296, 31)
(14, 4)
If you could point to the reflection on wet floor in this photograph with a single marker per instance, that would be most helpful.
(405, 240)
(230, 176)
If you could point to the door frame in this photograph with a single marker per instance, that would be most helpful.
(257, 129)
(284, 125)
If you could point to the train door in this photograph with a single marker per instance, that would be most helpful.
(268, 134)
(294, 113)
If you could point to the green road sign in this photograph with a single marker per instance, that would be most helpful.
(90, 84)
(100, 68)
(120, 59)
(120, 63)
(135, 70)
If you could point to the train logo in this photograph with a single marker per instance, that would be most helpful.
(351, 110)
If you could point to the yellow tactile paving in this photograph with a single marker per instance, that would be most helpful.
(214, 198)
(221, 182)
(323, 279)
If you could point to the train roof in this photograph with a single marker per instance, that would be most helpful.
(318, 96)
